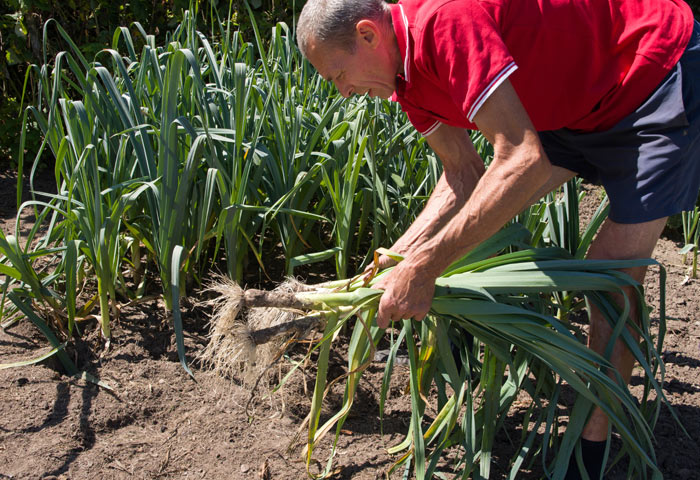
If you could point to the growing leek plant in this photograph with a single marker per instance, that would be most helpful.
(212, 151)
(691, 237)
(506, 303)
(172, 158)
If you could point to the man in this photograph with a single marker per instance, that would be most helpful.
(607, 89)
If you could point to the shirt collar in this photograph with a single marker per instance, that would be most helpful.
(400, 24)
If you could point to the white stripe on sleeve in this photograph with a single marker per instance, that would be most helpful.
(406, 64)
(510, 68)
(432, 129)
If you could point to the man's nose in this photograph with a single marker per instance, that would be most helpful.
(344, 89)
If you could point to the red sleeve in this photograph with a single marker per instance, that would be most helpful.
(462, 47)
(421, 121)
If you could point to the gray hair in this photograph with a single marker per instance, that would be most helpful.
(333, 21)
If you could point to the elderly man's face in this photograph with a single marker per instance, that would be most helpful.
(370, 68)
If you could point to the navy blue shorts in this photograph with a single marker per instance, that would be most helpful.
(649, 163)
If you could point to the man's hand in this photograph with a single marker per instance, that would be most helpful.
(379, 263)
(408, 293)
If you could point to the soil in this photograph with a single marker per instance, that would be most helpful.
(158, 423)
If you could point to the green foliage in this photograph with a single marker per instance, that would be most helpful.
(10, 128)
(491, 333)
(172, 155)
(691, 237)
(168, 158)
(90, 24)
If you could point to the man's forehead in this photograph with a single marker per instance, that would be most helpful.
(323, 68)
(324, 58)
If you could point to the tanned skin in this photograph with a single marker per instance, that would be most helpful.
(469, 204)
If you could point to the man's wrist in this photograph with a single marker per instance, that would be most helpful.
(428, 262)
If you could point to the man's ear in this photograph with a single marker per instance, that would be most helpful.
(368, 32)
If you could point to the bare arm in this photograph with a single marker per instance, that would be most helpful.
(519, 170)
(452, 190)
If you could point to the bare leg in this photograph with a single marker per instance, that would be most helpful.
(620, 242)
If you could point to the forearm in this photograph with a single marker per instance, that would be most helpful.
(449, 196)
(519, 170)
(501, 193)
(462, 170)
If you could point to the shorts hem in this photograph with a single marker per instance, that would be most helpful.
(642, 217)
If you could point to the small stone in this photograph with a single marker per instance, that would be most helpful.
(244, 468)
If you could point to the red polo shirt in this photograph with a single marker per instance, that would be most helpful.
(580, 64)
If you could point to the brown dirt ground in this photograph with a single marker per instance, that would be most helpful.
(158, 423)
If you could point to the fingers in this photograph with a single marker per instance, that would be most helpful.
(392, 311)
(385, 262)
(382, 321)
(408, 293)
(381, 262)
(385, 316)
(371, 270)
